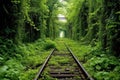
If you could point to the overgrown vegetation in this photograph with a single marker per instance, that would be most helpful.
(24, 60)
(99, 64)
(27, 25)
(95, 21)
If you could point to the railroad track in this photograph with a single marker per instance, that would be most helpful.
(62, 65)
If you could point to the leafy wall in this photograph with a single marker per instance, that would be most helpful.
(26, 20)
(96, 21)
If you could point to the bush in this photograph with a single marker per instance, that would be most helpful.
(49, 44)
(7, 48)
(11, 70)
(103, 64)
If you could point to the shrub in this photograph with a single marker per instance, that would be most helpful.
(49, 44)
(11, 70)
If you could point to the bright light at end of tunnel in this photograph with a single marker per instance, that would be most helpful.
(62, 18)
(60, 0)
(63, 2)
(62, 34)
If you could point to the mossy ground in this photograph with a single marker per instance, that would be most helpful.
(99, 64)
(30, 57)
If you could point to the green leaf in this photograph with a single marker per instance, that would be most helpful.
(98, 67)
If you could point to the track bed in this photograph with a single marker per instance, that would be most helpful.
(62, 65)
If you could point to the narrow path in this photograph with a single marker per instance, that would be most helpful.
(62, 65)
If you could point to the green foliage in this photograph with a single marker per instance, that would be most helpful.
(11, 70)
(99, 64)
(15, 1)
(7, 48)
(92, 21)
(49, 44)
(34, 56)
(47, 77)
(24, 60)
(28, 75)
(102, 64)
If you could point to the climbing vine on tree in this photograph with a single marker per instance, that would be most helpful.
(26, 25)
(94, 20)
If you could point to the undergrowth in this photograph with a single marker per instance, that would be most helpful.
(99, 64)
(22, 62)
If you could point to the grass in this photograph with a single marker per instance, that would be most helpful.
(26, 59)
(36, 54)
(99, 64)
(60, 62)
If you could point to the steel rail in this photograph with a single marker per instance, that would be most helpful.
(44, 65)
(84, 72)
(80, 65)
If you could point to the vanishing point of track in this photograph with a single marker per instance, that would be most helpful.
(62, 65)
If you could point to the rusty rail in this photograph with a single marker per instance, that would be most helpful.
(44, 65)
(84, 72)
(79, 64)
